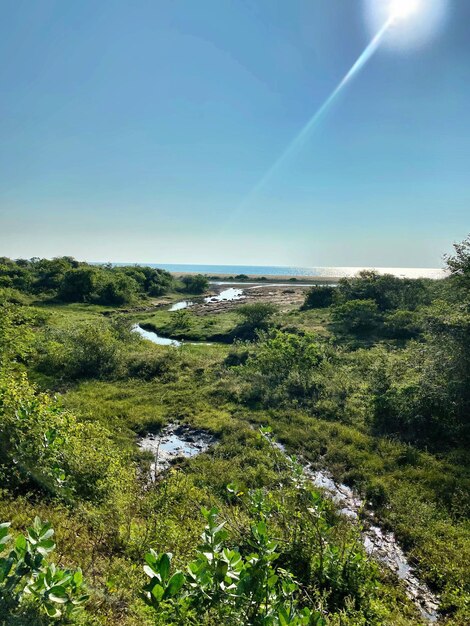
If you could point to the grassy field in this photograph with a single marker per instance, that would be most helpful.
(421, 496)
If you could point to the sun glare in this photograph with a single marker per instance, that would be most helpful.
(414, 23)
(402, 9)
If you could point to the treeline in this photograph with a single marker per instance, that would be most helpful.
(398, 360)
(384, 304)
(67, 280)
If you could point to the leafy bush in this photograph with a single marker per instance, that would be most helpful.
(402, 324)
(221, 582)
(45, 448)
(73, 281)
(256, 315)
(27, 576)
(181, 320)
(356, 315)
(387, 291)
(282, 367)
(319, 297)
(91, 350)
(195, 283)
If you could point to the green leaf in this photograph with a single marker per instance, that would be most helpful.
(21, 544)
(157, 593)
(174, 584)
(164, 566)
(58, 594)
(150, 571)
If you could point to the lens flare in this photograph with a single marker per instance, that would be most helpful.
(402, 9)
(415, 22)
(305, 132)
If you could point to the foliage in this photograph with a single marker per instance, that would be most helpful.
(357, 315)
(181, 320)
(459, 262)
(387, 291)
(283, 367)
(402, 324)
(319, 297)
(83, 351)
(256, 315)
(73, 281)
(195, 283)
(27, 575)
(45, 447)
(241, 590)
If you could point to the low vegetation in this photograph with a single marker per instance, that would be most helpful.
(370, 380)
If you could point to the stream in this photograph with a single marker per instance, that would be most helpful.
(379, 544)
(179, 441)
(154, 337)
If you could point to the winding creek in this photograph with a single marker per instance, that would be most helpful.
(381, 545)
(225, 295)
(178, 441)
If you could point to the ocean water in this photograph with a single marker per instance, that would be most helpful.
(273, 270)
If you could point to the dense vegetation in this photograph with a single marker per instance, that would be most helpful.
(67, 280)
(370, 379)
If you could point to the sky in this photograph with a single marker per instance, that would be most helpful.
(136, 131)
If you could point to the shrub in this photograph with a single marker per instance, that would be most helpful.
(27, 576)
(357, 315)
(402, 324)
(256, 315)
(78, 285)
(319, 297)
(282, 368)
(195, 283)
(87, 351)
(44, 447)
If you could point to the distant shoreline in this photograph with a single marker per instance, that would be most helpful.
(259, 279)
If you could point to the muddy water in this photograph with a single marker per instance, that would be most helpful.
(226, 295)
(184, 304)
(154, 338)
(381, 545)
(172, 443)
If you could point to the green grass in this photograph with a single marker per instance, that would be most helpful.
(422, 497)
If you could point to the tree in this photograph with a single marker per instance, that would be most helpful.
(319, 297)
(195, 283)
(78, 284)
(459, 263)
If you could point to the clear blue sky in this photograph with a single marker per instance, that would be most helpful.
(133, 130)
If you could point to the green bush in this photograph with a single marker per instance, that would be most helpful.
(282, 368)
(356, 315)
(27, 576)
(90, 350)
(195, 283)
(44, 447)
(319, 297)
(256, 315)
(402, 324)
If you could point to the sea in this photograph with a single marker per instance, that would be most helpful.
(307, 272)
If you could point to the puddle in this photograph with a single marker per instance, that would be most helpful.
(177, 306)
(226, 295)
(174, 442)
(153, 337)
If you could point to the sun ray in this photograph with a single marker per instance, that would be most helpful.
(302, 136)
